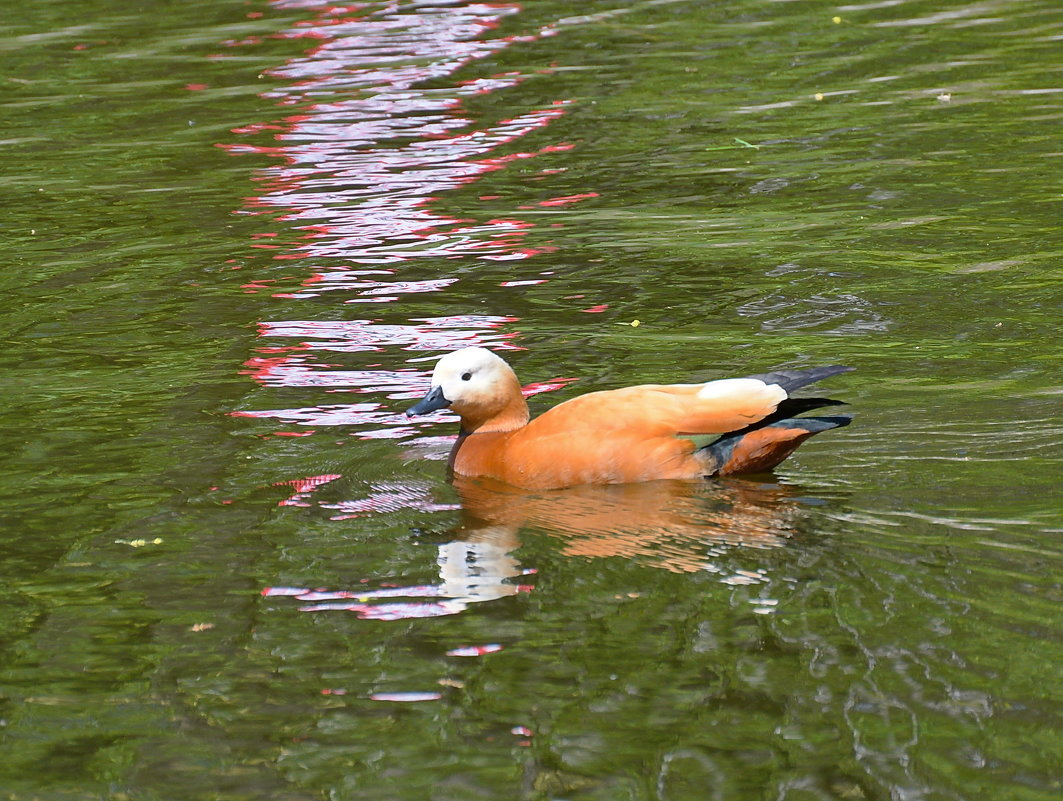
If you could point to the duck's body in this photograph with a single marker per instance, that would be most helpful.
(619, 436)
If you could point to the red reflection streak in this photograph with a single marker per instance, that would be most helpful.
(545, 386)
(304, 487)
(261, 369)
(565, 201)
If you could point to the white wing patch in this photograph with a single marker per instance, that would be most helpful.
(735, 388)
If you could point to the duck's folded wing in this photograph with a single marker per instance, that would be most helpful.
(716, 407)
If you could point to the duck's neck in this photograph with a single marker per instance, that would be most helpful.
(513, 415)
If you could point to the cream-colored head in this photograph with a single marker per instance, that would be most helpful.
(480, 387)
(471, 375)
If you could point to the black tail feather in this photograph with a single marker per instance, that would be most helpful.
(794, 406)
(787, 409)
(795, 379)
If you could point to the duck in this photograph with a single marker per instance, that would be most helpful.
(630, 435)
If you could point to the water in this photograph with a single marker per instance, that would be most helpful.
(238, 234)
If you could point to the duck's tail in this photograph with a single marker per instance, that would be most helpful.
(760, 447)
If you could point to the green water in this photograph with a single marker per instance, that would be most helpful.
(238, 234)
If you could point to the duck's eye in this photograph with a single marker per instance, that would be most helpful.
(466, 376)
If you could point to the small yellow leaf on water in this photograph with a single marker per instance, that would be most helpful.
(634, 323)
(139, 543)
(836, 20)
(818, 95)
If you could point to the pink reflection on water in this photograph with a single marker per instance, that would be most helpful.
(297, 366)
(372, 134)
(292, 367)
(475, 650)
(396, 425)
(386, 497)
(406, 697)
(423, 334)
(368, 148)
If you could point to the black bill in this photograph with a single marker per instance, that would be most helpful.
(429, 403)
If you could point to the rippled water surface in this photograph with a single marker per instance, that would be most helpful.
(238, 234)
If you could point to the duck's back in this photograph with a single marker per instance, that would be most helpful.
(665, 409)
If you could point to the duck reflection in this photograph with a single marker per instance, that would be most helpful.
(680, 526)
(677, 525)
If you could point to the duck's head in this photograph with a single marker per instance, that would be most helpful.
(480, 387)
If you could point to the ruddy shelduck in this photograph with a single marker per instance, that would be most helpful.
(619, 436)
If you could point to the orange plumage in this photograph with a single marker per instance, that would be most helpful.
(620, 436)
